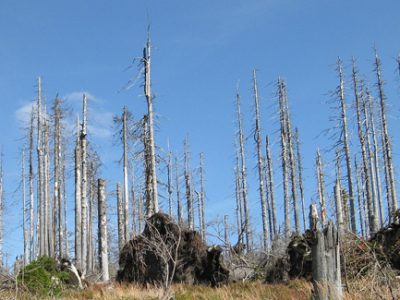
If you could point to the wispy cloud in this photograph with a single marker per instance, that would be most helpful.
(23, 113)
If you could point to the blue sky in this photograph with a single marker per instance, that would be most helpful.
(201, 49)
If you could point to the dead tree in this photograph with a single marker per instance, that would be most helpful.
(386, 143)
(271, 191)
(337, 191)
(147, 168)
(31, 191)
(121, 221)
(239, 202)
(24, 226)
(284, 157)
(41, 233)
(188, 185)
(125, 158)
(346, 147)
(49, 242)
(362, 135)
(150, 112)
(325, 253)
(169, 184)
(102, 229)
(178, 195)
(84, 184)
(202, 199)
(78, 201)
(260, 164)
(359, 198)
(300, 173)
(243, 174)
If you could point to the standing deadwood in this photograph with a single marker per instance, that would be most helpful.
(377, 218)
(178, 196)
(170, 189)
(271, 191)
(376, 157)
(121, 222)
(126, 188)
(147, 168)
(24, 229)
(391, 189)
(346, 146)
(41, 233)
(300, 172)
(189, 203)
(285, 166)
(359, 196)
(202, 199)
(1, 209)
(364, 203)
(65, 226)
(239, 206)
(359, 97)
(78, 201)
(226, 232)
(49, 238)
(133, 203)
(243, 174)
(84, 184)
(292, 161)
(126, 172)
(102, 219)
(338, 197)
(149, 98)
(260, 164)
(31, 196)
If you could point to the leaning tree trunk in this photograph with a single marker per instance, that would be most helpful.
(103, 244)
(346, 145)
(260, 164)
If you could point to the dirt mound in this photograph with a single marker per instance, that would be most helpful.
(165, 251)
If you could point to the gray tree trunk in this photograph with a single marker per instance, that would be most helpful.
(126, 187)
(102, 219)
(121, 221)
(78, 199)
(188, 184)
(271, 190)
(300, 173)
(202, 198)
(84, 185)
(31, 196)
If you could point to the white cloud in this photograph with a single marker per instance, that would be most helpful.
(23, 114)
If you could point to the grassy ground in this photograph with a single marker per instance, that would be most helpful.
(296, 289)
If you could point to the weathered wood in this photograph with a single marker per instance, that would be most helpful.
(102, 223)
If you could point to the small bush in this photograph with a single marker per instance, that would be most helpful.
(43, 277)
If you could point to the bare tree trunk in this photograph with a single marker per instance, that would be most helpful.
(49, 242)
(226, 233)
(84, 184)
(78, 199)
(338, 197)
(24, 227)
(41, 233)
(103, 244)
(121, 226)
(373, 222)
(285, 165)
(260, 164)
(31, 196)
(365, 204)
(188, 185)
(292, 162)
(271, 191)
(169, 187)
(376, 159)
(346, 145)
(243, 171)
(64, 198)
(178, 196)
(149, 98)
(300, 172)
(359, 198)
(386, 139)
(239, 202)
(321, 187)
(126, 187)
(202, 198)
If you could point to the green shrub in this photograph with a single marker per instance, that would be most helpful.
(42, 277)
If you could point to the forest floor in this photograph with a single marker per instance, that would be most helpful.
(295, 289)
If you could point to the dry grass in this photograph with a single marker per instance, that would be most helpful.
(295, 289)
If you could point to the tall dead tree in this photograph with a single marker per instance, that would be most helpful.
(362, 135)
(125, 159)
(78, 196)
(243, 174)
(188, 185)
(284, 157)
(376, 156)
(321, 187)
(169, 183)
(386, 143)
(147, 168)
(31, 191)
(121, 221)
(359, 198)
(271, 191)
(239, 202)
(260, 163)
(24, 223)
(346, 147)
(338, 197)
(178, 195)
(150, 112)
(202, 198)
(102, 229)
(84, 185)
(300, 173)
(41, 232)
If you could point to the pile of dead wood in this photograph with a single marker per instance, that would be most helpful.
(166, 250)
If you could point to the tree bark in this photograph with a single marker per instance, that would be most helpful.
(78, 199)
(102, 219)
